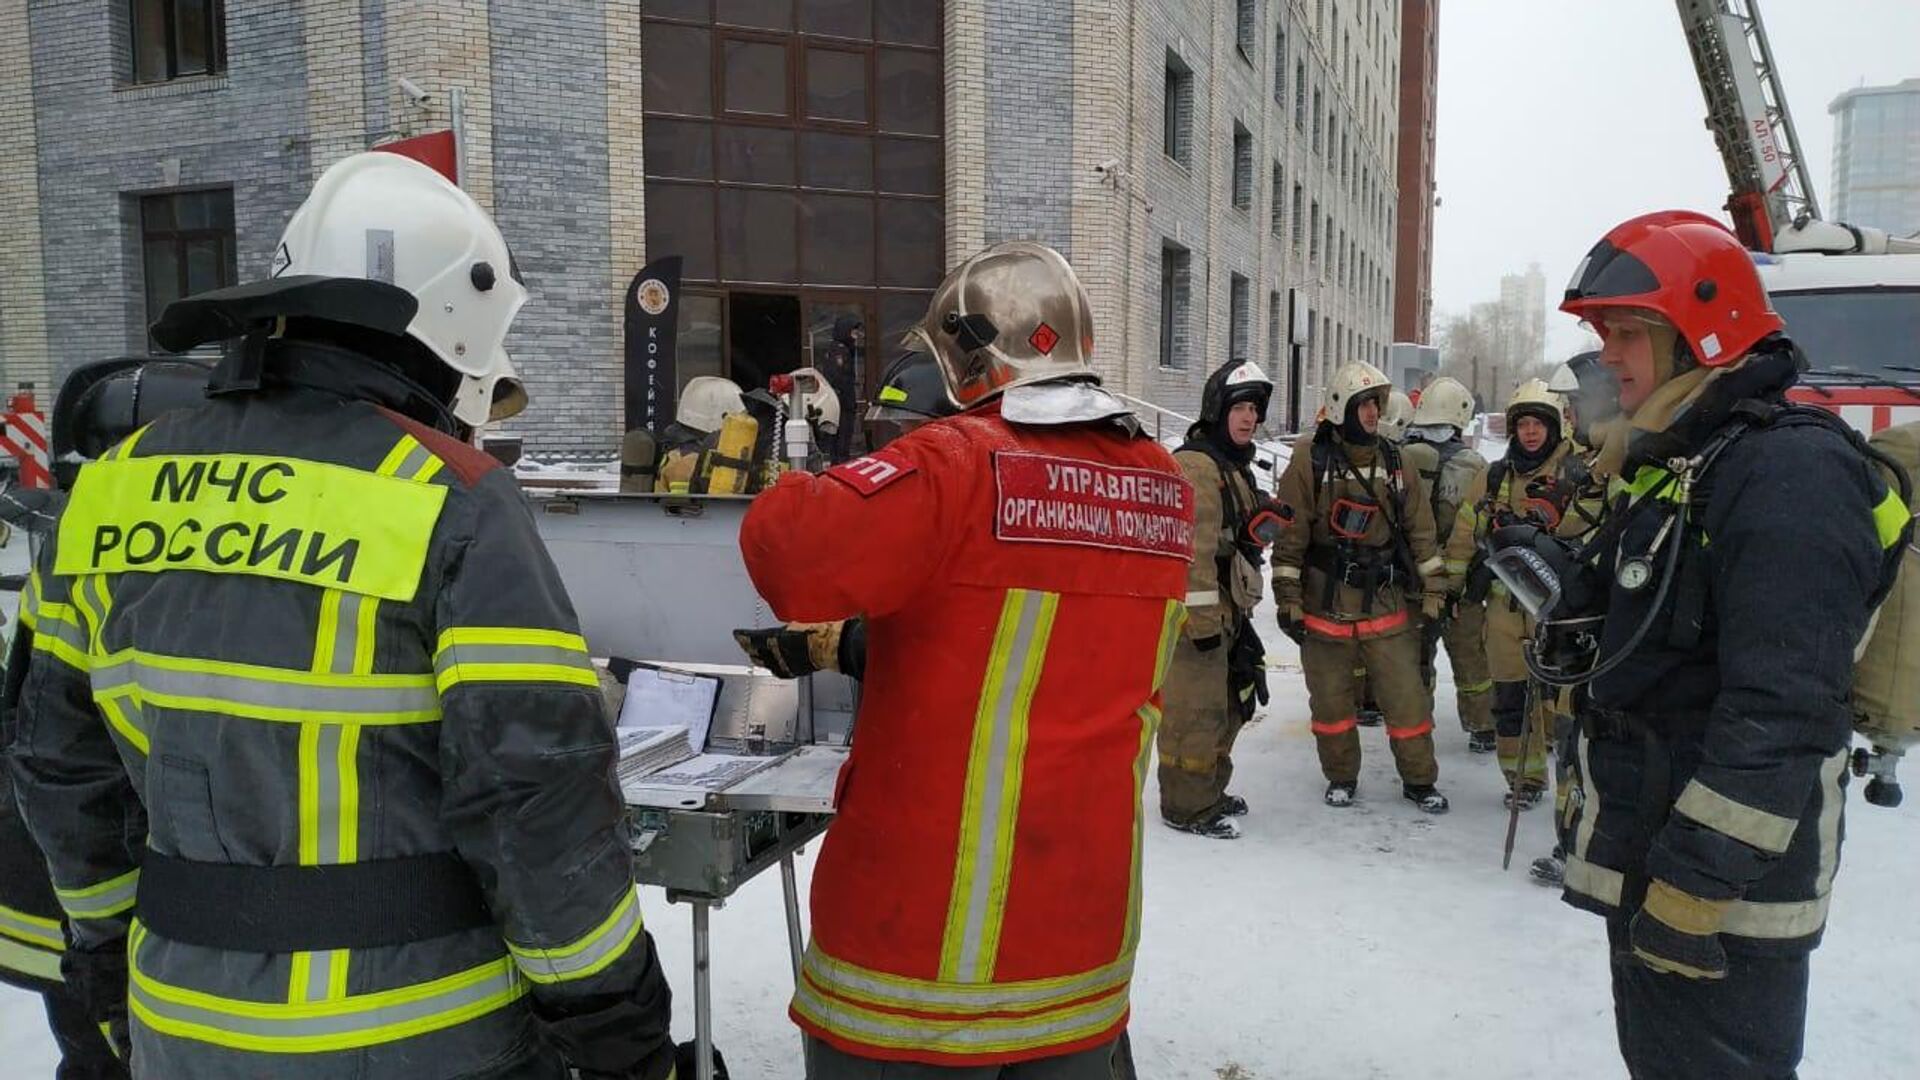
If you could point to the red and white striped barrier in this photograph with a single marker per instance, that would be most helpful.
(24, 435)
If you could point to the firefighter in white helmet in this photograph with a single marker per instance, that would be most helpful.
(385, 838)
(1395, 417)
(704, 406)
(1351, 574)
(1535, 482)
(1436, 448)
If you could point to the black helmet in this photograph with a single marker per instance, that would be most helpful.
(1592, 390)
(912, 389)
(102, 403)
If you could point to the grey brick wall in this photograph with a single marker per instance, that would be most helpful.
(1029, 69)
(102, 145)
(551, 200)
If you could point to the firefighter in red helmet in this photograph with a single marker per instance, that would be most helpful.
(1748, 542)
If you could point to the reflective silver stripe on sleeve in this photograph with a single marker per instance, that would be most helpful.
(1747, 824)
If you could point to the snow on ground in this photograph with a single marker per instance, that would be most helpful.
(1339, 945)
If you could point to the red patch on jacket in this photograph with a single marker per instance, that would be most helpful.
(469, 463)
(868, 475)
(1045, 499)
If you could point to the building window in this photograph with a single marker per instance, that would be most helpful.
(1319, 119)
(1176, 272)
(186, 245)
(1177, 123)
(1239, 317)
(173, 39)
(1242, 167)
(1313, 234)
(1246, 20)
(1280, 66)
(1277, 213)
(1300, 96)
(1299, 216)
(1276, 331)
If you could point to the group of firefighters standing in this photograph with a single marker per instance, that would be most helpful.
(300, 725)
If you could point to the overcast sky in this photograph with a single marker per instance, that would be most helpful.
(1561, 118)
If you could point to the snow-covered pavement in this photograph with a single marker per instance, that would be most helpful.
(1338, 945)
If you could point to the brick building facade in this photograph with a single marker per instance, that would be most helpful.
(844, 153)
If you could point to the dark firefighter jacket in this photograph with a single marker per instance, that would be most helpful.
(1716, 755)
(310, 634)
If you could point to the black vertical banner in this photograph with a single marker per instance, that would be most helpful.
(653, 305)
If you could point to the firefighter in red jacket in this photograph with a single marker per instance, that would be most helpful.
(1021, 568)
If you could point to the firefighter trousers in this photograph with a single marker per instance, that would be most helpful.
(1750, 1024)
(1114, 1061)
(1198, 726)
(1465, 636)
(1392, 663)
(1511, 702)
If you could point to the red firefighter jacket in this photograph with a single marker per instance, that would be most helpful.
(977, 900)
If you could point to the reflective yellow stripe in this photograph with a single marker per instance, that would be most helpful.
(316, 1027)
(1149, 723)
(588, 955)
(28, 960)
(961, 1037)
(1747, 824)
(125, 716)
(37, 930)
(1170, 624)
(102, 609)
(471, 654)
(251, 691)
(30, 600)
(1890, 519)
(58, 633)
(287, 518)
(328, 630)
(1765, 920)
(971, 943)
(101, 901)
(884, 990)
(366, 638)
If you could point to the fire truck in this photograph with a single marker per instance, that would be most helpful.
(1850, 296)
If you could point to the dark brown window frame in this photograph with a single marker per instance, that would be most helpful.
(180, 240)
(216, 43)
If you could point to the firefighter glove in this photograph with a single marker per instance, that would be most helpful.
(1677, 933)
(686, 1058)
(1293, 623)
(782, 650)
(1434, 606)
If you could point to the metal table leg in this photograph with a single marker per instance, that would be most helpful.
(702, 993)
(795, 945)
(796, 942)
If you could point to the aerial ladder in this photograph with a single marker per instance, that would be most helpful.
(1772, 203)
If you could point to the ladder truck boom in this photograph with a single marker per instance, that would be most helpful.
(1747, 112)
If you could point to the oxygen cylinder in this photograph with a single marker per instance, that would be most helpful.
(729, 464)
(1886, 676)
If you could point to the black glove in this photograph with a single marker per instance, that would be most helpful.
(1208, 643)
(686, 1059)
(98, 977)
(1691, 949)
(1293, 623)
(779, 649)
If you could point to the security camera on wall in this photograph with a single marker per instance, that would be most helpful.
(415, 93)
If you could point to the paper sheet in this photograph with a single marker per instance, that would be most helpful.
(663, 697)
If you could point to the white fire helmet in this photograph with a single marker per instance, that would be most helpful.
(387, 218)
(823, 404)
(1444, 401)
(706, 401)
(1395, 417)
(1354, 379)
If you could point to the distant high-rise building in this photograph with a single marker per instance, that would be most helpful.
(1413, 257)
(1876, 157)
